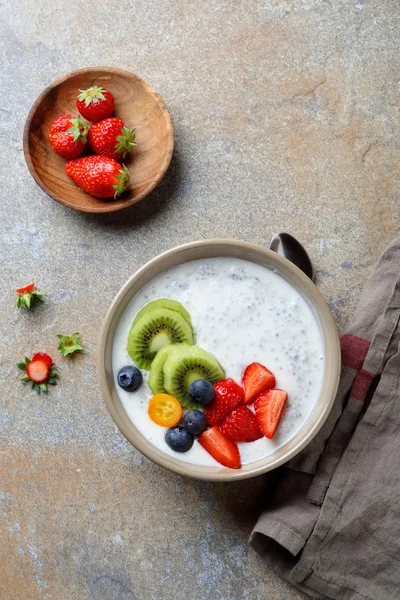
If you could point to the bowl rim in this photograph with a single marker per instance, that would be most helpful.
(116, 205)
(145, 447)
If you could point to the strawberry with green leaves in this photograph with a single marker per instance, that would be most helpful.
(68, 136)
(95, 103)
(111, 138)
(69, 344)
(39, 370)
(27, 296)
(99, 176)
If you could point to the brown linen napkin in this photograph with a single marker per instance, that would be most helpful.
(332, 525)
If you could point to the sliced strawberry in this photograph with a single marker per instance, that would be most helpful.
(269, 409)
(42, 356)
(223, 450)
(228, 395)
(38, 370)
(256, 379)
(26, 289)
(241, 426)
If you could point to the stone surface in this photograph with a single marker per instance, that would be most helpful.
(287, 118)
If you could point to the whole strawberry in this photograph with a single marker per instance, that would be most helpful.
(111, 138)
(68, 136)
(95, 103)
(99, 176)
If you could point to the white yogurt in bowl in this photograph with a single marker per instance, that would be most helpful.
(242, 313)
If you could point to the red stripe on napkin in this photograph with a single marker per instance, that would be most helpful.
(354, 351)
(361, 385)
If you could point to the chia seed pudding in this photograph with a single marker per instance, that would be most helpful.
(242, 313)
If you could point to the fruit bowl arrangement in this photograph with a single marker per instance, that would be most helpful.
(192, 396)
(98, 140)
(171, 397)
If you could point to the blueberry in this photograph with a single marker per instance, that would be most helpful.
(201, 391)
(130, 378)
(178, 439)
(194, 422)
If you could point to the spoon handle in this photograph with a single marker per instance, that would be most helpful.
(290, 248)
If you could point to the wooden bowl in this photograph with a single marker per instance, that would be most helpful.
(136, 103)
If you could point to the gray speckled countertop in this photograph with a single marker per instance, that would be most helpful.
(286, 116)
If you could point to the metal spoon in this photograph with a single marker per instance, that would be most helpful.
(286, 245)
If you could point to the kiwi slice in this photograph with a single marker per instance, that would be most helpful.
(156, 377)
(164, 303)
(153, 331)
(186, 364)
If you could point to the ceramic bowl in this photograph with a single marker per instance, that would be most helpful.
(202, 250)
(136, 103)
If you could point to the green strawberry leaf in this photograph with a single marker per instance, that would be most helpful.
(28, 299)
(21, 365)
(92, 94)
(69, 343)
(123, 181)
(126, 141)
(79, 130)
